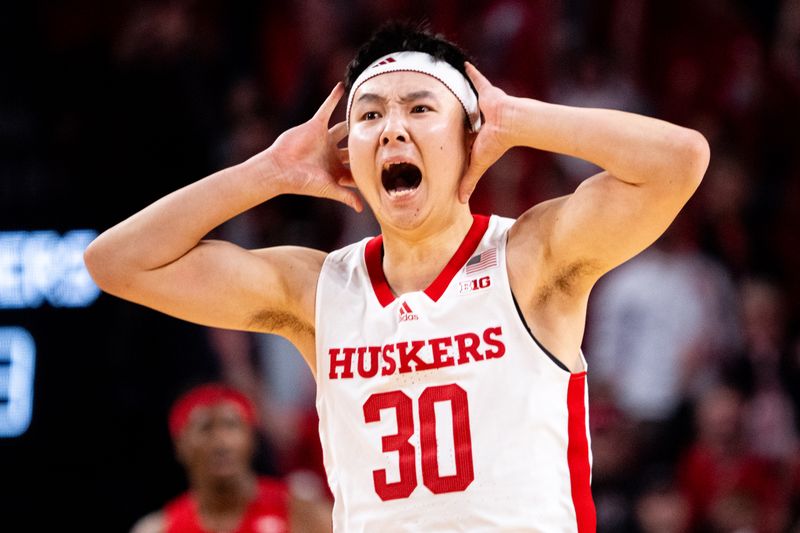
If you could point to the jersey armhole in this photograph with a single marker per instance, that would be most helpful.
(521, 317)
(547, 352)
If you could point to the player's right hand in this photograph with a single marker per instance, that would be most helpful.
(306, 160)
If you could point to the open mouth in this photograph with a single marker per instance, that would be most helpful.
(400, 178)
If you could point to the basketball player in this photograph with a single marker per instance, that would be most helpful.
(212, 429)
(451, 384)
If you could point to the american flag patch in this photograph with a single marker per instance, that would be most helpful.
(482, 261)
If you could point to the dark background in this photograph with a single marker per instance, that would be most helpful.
(107, 106)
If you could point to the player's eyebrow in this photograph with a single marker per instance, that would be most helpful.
(410, 97)
(417, 95)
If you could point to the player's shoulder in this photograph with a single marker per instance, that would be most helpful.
(538, 219)
(292, 254)
(351, 254)
(499, 224)
(529, 234)
(296, 268)
(150, 523)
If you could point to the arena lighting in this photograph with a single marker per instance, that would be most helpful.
(35, 267)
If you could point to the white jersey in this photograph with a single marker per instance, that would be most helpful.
(439, 410)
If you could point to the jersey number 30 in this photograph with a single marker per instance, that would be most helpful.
(399, 442)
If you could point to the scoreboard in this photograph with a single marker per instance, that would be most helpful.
(36, 268)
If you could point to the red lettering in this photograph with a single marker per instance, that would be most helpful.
(467, 344)
(398, 442)
(345, 363)
(374, 351)
(390, 367)
(500, 348)
(407, 356)
(411, 356)
(441, 357)
(462, 440)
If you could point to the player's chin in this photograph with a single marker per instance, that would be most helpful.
(406, 217)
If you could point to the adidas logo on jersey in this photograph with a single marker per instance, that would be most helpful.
(406, 313)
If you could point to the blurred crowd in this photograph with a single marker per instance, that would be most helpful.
(693, 346)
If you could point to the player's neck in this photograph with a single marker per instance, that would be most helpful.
(225, 497)
(412, 260)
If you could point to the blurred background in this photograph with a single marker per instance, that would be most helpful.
(693, 346)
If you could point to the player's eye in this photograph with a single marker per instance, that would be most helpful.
(370, 115)
(420, 109)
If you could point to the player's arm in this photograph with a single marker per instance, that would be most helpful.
(158, 257)
(651, 167)
(558, 249)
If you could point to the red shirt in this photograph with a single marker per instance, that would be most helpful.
(267, 513)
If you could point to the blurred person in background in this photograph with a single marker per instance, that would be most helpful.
(284, 398)
(212, 427)
(763, 371)
(728, 485)
(615, 461)
(661, 507)
(661, 325)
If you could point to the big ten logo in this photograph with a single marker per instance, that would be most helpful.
(473, 285)
(17, 360)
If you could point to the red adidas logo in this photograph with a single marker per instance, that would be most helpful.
(384, 62)
(406, 313)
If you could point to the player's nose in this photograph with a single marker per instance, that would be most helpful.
(394, 130)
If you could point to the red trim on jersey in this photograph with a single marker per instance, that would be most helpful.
(578, 455)
(479, 225)
(373, 256)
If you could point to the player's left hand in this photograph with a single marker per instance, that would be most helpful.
(494, 137)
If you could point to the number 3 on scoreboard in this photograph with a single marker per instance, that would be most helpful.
(399, 442)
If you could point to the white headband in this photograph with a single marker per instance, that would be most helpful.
(426, 64)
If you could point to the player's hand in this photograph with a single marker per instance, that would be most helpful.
(307, 160)
(495, 135)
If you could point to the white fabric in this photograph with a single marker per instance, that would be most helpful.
(426, 64)
(517, 405)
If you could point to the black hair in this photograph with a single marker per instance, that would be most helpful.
(405, 36)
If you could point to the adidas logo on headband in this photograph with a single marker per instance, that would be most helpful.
(384, 62)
